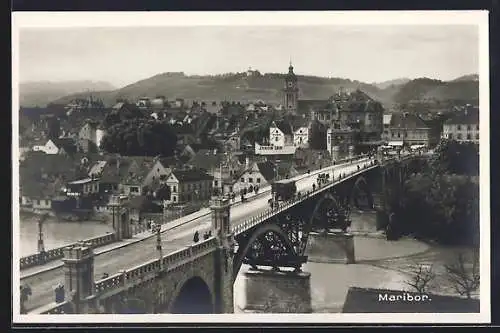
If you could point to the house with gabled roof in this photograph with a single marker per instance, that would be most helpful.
(221, 166)
(280, 133)
(407, 129)
(261, 174)
(188, 185)
(141, 174)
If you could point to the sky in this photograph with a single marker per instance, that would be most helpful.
(124, 55)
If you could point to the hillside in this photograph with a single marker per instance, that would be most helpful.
(232, 87)
(268, 87)
(425, 89)
(40, 93)
(470, 77)
(395, 82)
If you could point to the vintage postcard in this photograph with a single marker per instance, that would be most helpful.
(251, 167)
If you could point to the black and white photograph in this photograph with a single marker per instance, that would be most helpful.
(245, 166)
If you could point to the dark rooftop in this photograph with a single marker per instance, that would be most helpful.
(191, 175)
(407, 120)
(469, 117)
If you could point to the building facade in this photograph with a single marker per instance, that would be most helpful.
(462, 127)
(189, 185)
(406, 129)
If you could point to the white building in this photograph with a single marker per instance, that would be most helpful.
(49, 148)
(462, 127)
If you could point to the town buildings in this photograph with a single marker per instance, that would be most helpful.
(189, 185)
(406, 129)
(463, 126)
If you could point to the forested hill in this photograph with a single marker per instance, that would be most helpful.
(423, 89)
(267, 87)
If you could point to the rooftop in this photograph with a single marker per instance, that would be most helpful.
(191, 175)
(469, 117)
(407, 120)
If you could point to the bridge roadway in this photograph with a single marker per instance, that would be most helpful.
(42, 284)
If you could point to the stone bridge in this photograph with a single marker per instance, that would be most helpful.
(274, 238)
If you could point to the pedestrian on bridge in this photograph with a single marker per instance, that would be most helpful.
(196, 237)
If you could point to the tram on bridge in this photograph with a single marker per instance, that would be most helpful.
(283, 190)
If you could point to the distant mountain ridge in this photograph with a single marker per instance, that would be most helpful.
(268, 87)
(395, 82)
(40, 93)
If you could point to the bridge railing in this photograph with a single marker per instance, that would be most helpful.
(58, 253)
(257, 219)
(170, 261)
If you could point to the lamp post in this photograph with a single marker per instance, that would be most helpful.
(41, 246)
(156, 229)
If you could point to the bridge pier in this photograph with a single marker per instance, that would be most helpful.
(120, 217)
(331, 247)
(79, 277)
(224, 256)
(278, 291)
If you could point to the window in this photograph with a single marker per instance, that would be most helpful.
(158, 170)
(392, 134)
(242, 179)
(250, 180)
(134, 189)
(477, 127)
(450, 136)
(459, 136)
(399, 135)
(216, 183)
(469, 127)
(459, 127)
(38, 202)
(175, 189)
(406, 134)
(258, 180)
(153, 177)
(276, 138)
(477, 136)
(469, 137)
(175, 198)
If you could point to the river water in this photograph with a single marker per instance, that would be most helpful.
(56, 233)
(380, 263)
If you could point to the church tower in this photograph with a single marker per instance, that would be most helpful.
(291, 91)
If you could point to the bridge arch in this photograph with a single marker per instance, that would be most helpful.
(361, 191)
(192, 296)
(326, 205)
(254, 246)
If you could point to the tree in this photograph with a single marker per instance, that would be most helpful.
(464, 280)
(163, 193)
(54, 128)
(421, 276)
(455, 158)
(140, 137)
